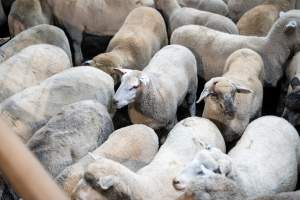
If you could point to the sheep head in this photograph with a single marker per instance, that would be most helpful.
(223, 92)
(132, 84)
(103, 180)
(212, 186)
(207, 162)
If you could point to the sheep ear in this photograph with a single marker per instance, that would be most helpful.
(290, 27)
(205, 93)
(295, 82)
(106, 182)
(121, 72)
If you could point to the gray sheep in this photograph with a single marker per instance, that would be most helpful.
(238, 7)
(114, 181)
(133, 146)
(232, 100)
(140, 37)
(30, 109)
(41, 34)
(178, 16)
(31, 66)
(70, 134)
(212, 48)
(154, 94)
(264, 162)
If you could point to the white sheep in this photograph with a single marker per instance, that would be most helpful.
(113, 181)
(31, 66)
(154, 94)
(215, 6)
(70, 134)
(264, 162)
(212, 48)
(140, 37)
(97, 17)
(30, 109)
(40, 34)
(177, 16)
(235, 98)
(133, 146)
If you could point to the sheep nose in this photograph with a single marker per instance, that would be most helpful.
(175, 181)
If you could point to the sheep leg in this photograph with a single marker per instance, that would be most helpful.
(191, 101)
(76, 36)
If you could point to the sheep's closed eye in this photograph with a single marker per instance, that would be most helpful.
(134, 87)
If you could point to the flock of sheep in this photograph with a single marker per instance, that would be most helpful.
(156, 54)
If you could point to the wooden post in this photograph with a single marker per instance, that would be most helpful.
(23, 171)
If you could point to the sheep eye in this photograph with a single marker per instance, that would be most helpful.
(134, 87)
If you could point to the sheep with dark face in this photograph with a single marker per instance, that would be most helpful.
(178, 16)
(40, 34)
(232, 100)
(275, 48)
(154, 94)
(106, 179)
(292, 100)
(30, 109)
(140, 37)
(133, 146)
(70, 134)
(264, 162)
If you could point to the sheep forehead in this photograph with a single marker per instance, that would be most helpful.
(223, 87)
(131, 78)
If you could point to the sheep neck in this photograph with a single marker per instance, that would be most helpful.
(150, 100)
(169, 6)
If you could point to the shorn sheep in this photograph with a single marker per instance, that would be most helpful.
(235, 98)
(154, 94)
(30, 109)
(133, 146)
(275, 48)
(264, 162)
(140, 37)
(70, 134)
(114, 181)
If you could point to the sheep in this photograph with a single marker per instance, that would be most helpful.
(154, 94)
(232, 100)
(291, 109)
(222, 188)
(30, 109)
(96, 17)
(177, 16)
(275, 48)
(113, 181)
(264, 162)
(133, 146)
(70, 134)
(215, 6)
(29, 67)
(36, 35)
(259, 20)
(140, 37)
(238, 7)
